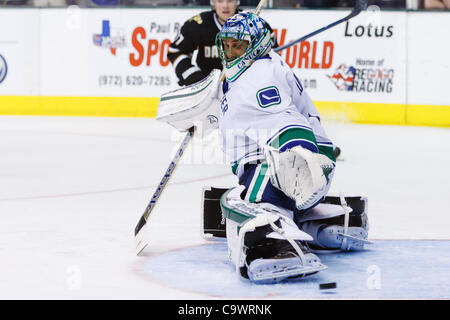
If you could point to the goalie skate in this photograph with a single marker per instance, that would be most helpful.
(282, 267)
(334, 237)
(356, 242)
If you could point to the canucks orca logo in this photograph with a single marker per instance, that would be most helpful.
(269, 96)
(3, 68)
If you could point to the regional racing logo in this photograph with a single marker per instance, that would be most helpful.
(366, 76)
(3, 68)
(110, 38)
(343, 77)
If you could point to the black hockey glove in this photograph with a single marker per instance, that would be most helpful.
(193, 78)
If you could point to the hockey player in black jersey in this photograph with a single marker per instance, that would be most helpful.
(199, 32)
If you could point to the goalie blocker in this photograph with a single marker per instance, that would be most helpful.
(344, 219)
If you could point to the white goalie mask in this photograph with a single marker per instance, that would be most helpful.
(249, 30)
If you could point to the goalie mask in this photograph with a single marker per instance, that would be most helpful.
(243, 39)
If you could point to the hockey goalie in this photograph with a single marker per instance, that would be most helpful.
(278, 217)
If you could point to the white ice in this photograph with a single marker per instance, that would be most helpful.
(72, 190)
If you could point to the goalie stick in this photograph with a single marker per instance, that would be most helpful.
(141, 236)
(140, 231)
(360, 5)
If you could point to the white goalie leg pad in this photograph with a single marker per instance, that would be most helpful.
(257, 215)
(269, 223)
(278, 268)
(302, 175)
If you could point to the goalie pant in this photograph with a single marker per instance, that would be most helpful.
(259, 188)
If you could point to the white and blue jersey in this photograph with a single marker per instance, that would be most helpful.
(267, 105)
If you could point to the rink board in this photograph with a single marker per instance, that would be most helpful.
(358, 112)
(113, 62)
(388, 269)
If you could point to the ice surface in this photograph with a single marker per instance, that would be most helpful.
(72, 190)
(388, 269)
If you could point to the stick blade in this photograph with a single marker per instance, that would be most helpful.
(142, 240)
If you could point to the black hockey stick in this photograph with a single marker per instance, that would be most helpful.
(359, 6)
(139, 232)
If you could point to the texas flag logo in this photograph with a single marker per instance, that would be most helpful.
(343, 77)
(109, 38)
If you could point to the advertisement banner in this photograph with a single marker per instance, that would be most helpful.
(123, 53)
(112, 62)
(361, 60)
(110, 52)
(19, 52)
